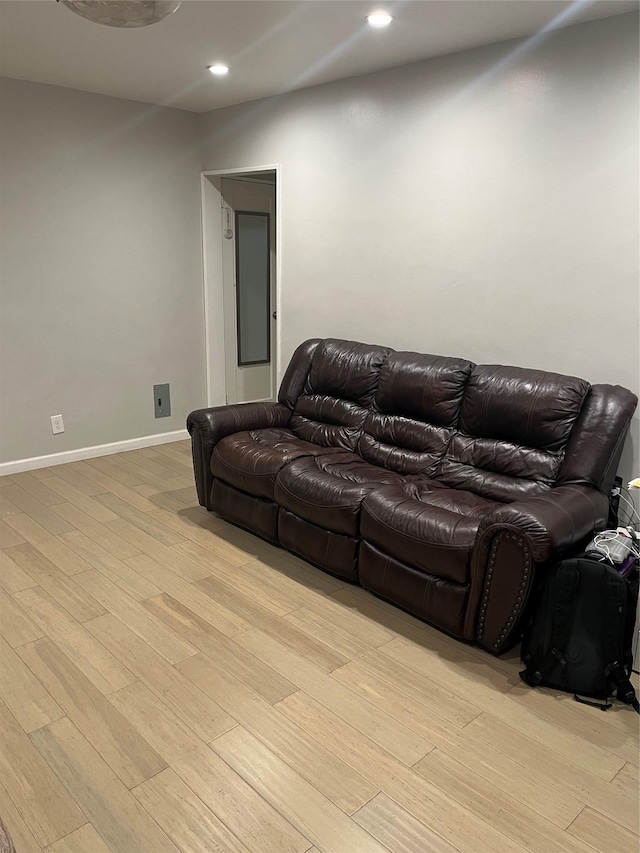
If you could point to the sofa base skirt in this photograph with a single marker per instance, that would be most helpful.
(257, 515)
(332, 552)
(440, 602)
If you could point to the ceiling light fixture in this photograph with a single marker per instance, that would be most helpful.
(123, 13)
(379, 20)
(219, 70)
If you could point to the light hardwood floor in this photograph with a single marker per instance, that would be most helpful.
(171, 683)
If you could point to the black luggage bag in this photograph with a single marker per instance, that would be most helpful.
(580, 633)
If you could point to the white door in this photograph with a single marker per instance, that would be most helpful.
(248, 257)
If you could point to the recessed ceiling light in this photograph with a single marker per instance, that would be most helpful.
(219, 70)
(379, 19)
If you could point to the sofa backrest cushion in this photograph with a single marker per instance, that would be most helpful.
(501, 432)
(594, 449)
(296, 374)
(415, 409)
(338, 392)
(514, 426)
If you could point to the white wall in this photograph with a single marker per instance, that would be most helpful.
(100, 268)
(483, 204)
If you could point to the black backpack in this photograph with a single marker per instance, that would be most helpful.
(580, 632)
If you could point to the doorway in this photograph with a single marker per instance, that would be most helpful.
(240, 259)
(248, 272)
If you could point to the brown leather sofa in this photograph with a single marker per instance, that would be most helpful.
(436, 483)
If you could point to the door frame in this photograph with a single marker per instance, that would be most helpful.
(212, 276)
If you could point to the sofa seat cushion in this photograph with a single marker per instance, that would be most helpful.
(251, 460)
(329, 489)
(426, 525)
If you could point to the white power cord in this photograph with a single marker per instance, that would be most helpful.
(615, 545)
(634, 511)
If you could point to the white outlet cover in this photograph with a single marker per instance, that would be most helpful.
(57, 424)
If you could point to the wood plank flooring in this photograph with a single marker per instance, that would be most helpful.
(171, 683)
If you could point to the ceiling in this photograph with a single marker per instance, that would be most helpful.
(271, 46)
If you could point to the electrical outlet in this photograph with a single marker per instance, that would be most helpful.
(162, 400)
(57, 424)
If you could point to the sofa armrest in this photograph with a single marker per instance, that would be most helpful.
(552, 522)
(207, 426)
(512, 542)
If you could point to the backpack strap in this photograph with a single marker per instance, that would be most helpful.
(631, 584)
(566, 588)
(603, 706)
(616, 602)
(625, 692)
(613, 616)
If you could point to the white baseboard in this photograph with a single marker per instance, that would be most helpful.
(91, 452)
